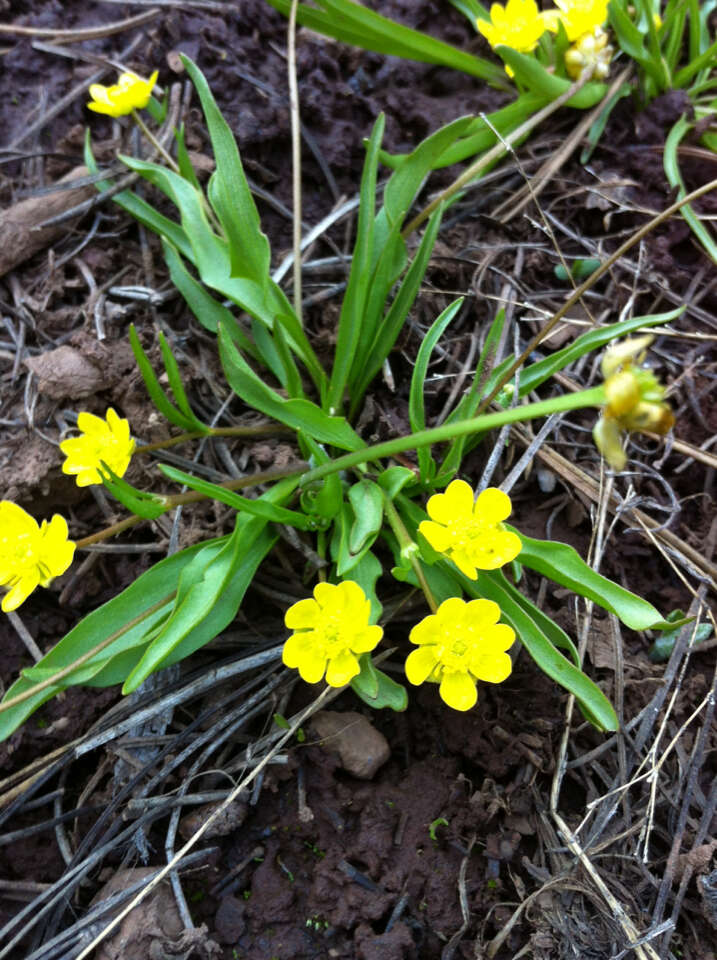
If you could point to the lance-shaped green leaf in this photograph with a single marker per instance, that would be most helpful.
(387, 330)
(299, 414)
(354, 302)
(271, 512)
(592, 701)
(416, 401)
(534, 77)
(129, 612)
(229, 191)
(210, 254)
(356, 24)
(142, 504)
(183, 418)
(561, 563)
(208, 311)
(208, 599)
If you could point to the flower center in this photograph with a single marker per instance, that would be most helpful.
(473, 537)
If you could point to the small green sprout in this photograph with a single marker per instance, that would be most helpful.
(433, 828)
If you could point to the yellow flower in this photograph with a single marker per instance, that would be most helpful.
(30, 555)
(331, 632)
(578, 17)
(518, 25)
(471, 534)
(634, 400)
(129, 93)
(590, 50)
(102, 440)
(458, 645)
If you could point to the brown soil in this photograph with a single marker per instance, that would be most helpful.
(457, 820)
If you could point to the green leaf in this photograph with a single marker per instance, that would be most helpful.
(404, 184)
(175, 382)
(129, 607)
(481, 134)
(159, 397)
(537, 373)
(366, 499)
(390, 327)
(555, 634)
(671, 164)
(298, 414)
(416, 402)
(256, 508)
(184, 162)
(537, 79)
(365, 574)
(209, 603)
(344, 558)
(354, 302)
(210, 254)
(208, 311)
(233, 203)
(593, 702)
(393, 479)
(378, 690)
(471, 9)
(355, 24)
(142, 504)
(196, 624)
(470, 401)
(561, 563)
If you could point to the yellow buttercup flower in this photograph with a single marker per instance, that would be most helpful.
(331, 631)
(460, 643)
(30, 555)
(471, 534)
(129, 93)
(518, 25)
(634, 400)
(105, 441)
(578, 17)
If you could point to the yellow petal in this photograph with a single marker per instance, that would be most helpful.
(438, 536)
(458, 690)
(326, 596)
(15, 522)
(426, 631)
(294, 650)
(465, 563)
(493, 668)
(342, 669)
(454, 503)
(367, 639)
(302, 615)
(353, 602)
(92, 425)
(419, 665)
(499, 638)
(451, 610)
(20, 591)
(482, 612)
(312, 666)
(492, 506)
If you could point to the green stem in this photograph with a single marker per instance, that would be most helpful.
(409, 550)
(595, 397)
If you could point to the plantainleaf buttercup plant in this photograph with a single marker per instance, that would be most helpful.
(370, 522)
